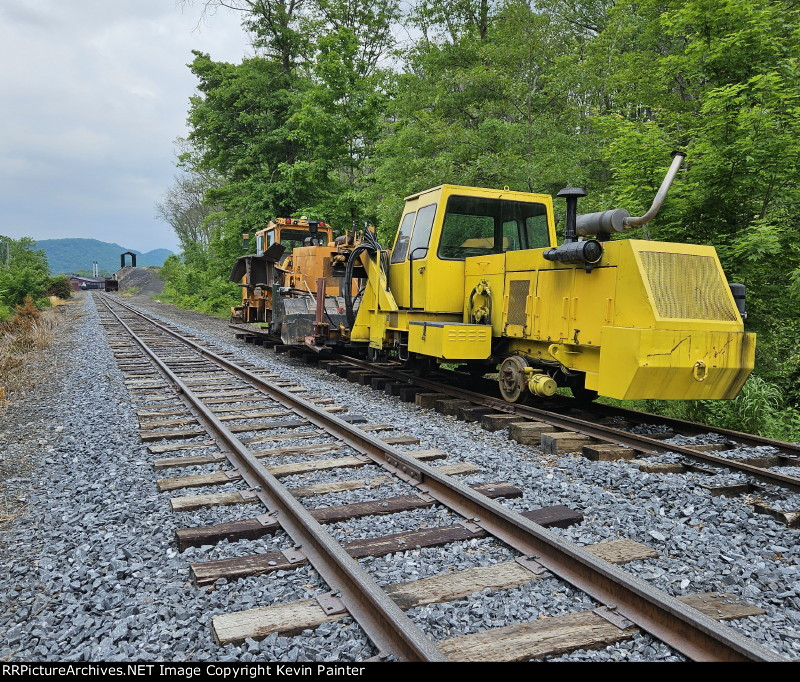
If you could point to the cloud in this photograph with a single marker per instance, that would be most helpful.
(92, 94)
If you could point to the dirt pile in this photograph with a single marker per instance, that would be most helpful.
(141, 281)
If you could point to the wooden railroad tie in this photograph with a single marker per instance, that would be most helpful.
(581, 630)
(281, 471)
(289, 619)
(192, 502)
(193, 460)
(235, 428)
(206, 572)
(250, 529)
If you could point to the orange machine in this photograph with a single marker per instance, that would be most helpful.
(294, 259)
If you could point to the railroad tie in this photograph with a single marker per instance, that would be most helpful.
(582, 630)
(193, 460)
(291, 618)
(206, 572)
(250, 529)
(192, 502)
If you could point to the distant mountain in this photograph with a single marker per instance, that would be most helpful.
(72, 255)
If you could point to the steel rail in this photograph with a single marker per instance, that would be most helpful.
(695, 427)
(790, 450)
(389, 628)
(682, 627)
(600, 432)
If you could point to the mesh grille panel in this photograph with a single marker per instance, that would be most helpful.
(517, 299)
(687, 286)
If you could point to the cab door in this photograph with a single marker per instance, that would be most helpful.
(418, 252)
(398, 268)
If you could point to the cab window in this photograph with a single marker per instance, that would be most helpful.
(477, 226)
(292, 239)
(536, 231)
(511, 236)
(403, 236)
(422, 232)
(259, 244)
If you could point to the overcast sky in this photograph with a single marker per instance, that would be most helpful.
(92, 95)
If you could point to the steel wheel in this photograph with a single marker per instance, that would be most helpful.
(512, 379)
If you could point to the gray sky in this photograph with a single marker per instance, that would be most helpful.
(92, 95)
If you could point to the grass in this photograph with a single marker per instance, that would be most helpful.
(221, 312)
(28, 330)
(759, 409)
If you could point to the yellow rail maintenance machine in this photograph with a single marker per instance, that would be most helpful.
(476, 278)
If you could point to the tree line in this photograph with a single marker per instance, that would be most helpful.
(347, 106)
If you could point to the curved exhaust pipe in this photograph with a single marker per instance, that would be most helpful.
(655, 207)
(618, 219)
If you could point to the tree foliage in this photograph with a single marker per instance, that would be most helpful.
(23, 273)
(59, 286)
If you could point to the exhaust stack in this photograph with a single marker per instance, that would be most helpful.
(618, 219)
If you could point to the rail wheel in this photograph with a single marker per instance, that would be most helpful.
(512, 380)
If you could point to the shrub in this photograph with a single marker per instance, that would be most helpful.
(59, 286)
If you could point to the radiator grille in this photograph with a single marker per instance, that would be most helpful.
(517, 301)
(687, 286)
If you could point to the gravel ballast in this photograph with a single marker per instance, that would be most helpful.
(94, 574)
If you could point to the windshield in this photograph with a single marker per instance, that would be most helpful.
(294, 238)
(476, 226)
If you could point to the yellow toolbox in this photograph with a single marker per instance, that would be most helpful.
(450, 340)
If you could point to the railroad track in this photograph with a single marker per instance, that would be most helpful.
(601, 432)
(203, 409)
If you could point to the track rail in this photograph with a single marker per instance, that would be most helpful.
(694, 428)
(386, 624)
(668, 619)
(608, 433)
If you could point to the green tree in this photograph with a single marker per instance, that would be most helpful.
(23, 272)
(337, 122)
(487, 104)
(287, 132)
(59, 286)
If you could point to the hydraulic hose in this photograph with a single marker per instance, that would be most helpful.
(370, 245)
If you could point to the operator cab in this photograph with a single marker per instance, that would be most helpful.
(293, 233)
(443, 226)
